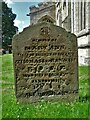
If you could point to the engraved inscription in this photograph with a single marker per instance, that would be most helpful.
(50, 74)
(45, 63)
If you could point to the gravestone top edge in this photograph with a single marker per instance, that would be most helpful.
(43, 23)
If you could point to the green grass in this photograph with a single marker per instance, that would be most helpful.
(84, 80)
(43, 109)
(7, 68)
(0, 85)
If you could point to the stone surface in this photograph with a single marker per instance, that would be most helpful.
(45, 63)
(73, 18)
(44, 8)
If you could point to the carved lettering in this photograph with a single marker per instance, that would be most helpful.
(45, 63)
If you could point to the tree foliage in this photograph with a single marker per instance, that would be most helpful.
(8, 28)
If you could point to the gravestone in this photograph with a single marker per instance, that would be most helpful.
(45, 63)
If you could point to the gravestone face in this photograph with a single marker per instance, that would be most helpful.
(45, 63)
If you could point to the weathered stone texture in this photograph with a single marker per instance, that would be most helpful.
(45, 62)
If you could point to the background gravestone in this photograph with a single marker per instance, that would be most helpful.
(45, 63)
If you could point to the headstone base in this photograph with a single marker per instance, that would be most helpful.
(53, 98)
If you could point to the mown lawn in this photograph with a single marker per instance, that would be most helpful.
(11, 109)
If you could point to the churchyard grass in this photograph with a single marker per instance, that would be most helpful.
(11, 109)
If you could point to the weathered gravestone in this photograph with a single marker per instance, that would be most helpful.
(45, 63)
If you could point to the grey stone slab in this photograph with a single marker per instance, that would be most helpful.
(45, 63)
